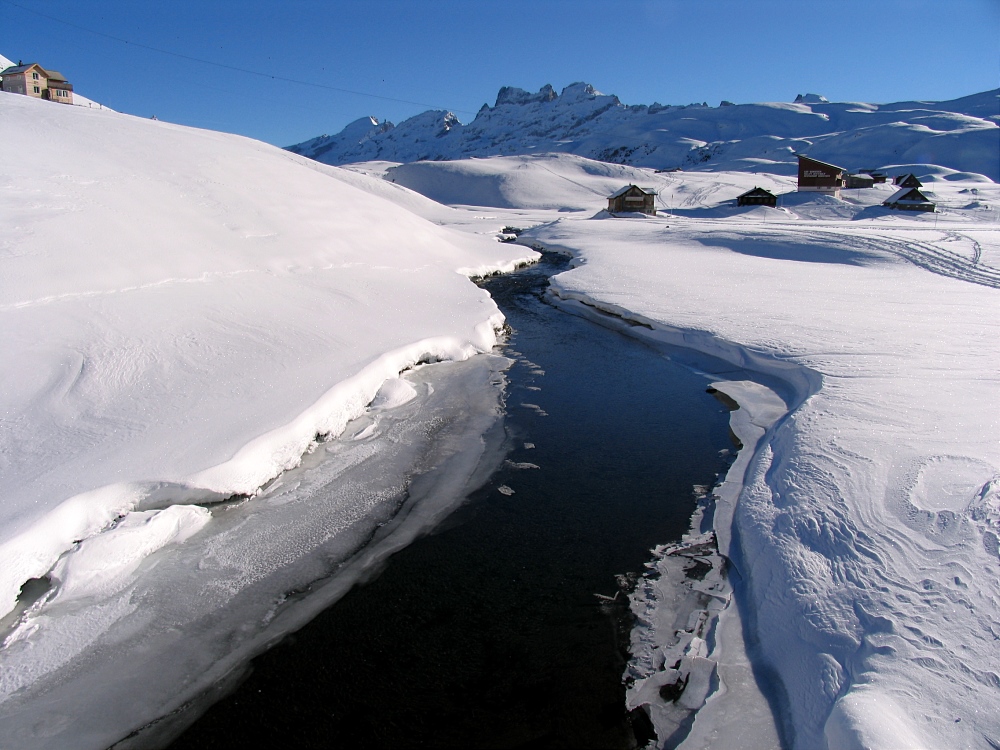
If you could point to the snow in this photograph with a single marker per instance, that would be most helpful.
(962, 134)
(865, 525)
(214, 382)
(184, 312)
(861, 519)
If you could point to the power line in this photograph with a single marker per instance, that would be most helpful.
(191, 58)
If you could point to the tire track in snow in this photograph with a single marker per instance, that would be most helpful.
(934, 258)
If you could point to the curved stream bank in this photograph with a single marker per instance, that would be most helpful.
(510, 625)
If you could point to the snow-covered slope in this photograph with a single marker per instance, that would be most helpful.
(184, 311)
(960, 134)
(866, 528)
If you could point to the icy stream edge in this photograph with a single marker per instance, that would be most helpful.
(688, 639)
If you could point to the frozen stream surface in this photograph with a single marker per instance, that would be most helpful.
(84, 671)
(509, 627)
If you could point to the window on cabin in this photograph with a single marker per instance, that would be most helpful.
(37, 90)
(34, 76)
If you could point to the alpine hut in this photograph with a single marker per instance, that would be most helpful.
(818, 176)
(909, 199)
(757, 197)
(632, 199)
(860, 180)
(34, 80)
(907, 181)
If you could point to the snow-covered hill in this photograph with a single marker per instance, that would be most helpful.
(182, 312)
(961, 134)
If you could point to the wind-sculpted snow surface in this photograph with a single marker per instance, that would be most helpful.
(867, 527)
(184, 312)
(961, 134)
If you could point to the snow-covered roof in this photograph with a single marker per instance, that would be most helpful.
(625, 189)
(757, 191)
(907, 195)
(817, 161)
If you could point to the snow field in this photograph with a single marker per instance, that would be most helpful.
(865, 523)
(173, 298)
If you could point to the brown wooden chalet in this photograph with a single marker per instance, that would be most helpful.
(34, 80)
(818, 176)
(909, 199)
(860, 181)
(907, 181)
(877, 177)
(632, 199)
(757, 197)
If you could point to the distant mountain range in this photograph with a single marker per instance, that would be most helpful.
(961, 134)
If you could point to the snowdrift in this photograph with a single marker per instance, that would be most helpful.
(185, 311)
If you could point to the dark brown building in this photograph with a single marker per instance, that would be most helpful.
(909, 199)
(877, 177)
(907, 181)
(860, 181)
(757, 197)
(632, 199)
(818, 176)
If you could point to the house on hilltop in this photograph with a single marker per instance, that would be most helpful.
(818, 176)
(757, 197)
(34, 80)
(909, 199)
(632, 199)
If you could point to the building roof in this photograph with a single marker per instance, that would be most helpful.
(15, 69)
(619, 193)
(758, 191)
(52, 75)
(907, 195)
(823, 163)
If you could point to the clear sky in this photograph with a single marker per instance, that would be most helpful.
(456, 54)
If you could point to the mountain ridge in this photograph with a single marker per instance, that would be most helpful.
(961, 134)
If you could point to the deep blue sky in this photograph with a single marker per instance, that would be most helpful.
(456, 54)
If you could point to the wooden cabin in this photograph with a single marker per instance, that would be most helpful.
(907, 181)
(757, 197)
(860, 181)
(818, 176)
(909, 199)
(632, 199)
(34, 80)
(877, 177)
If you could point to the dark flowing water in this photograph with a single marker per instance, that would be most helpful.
(488, 633)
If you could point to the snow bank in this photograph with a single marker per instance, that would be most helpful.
(866, 521)
(185, 311)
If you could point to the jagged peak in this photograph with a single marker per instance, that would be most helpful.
(579, 90)
(514, 95)
(811, 99)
